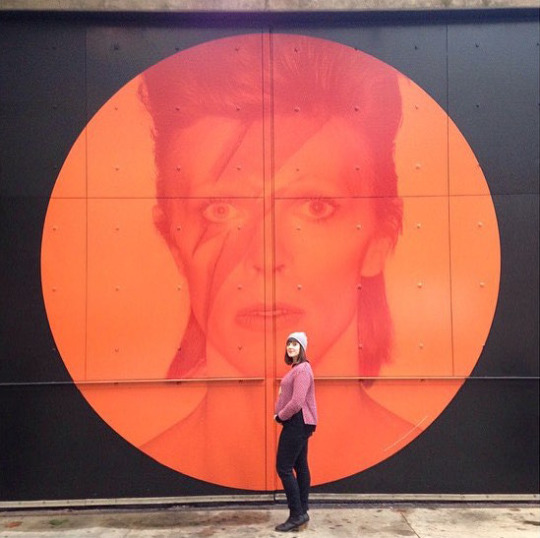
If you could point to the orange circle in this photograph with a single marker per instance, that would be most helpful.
(120, 298)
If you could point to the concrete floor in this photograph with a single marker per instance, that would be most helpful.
(327, 521)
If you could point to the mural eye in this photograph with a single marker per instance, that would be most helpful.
(318, 209)
(220, 212)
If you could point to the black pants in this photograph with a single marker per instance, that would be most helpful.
(292, 454)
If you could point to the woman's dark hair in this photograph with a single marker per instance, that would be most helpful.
(256, 76)
(301, 355)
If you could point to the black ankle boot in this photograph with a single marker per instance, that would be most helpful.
(293, 523)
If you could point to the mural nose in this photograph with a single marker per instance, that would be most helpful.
(264, 260)
(268, 266)
(262, 251)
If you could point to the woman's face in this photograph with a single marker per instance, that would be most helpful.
(272, 237)
(293, 349)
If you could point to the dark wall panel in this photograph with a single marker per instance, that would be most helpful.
(512, 346)
(28, 350)
(493, 97)
(42, 106)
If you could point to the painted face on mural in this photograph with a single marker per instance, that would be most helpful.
(277, 199)
(314, 211)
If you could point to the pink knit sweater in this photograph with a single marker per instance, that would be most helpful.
(297, 392)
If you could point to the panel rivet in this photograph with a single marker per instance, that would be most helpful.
(239, 286)
(420, 284)
(418, 225)
(299, 286)
(358, 226)
(480, 224)
(482, 284)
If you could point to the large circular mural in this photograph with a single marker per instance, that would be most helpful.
(253, 186)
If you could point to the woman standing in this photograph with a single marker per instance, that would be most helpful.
(296, 410)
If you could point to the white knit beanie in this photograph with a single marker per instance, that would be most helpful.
(300, 337)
